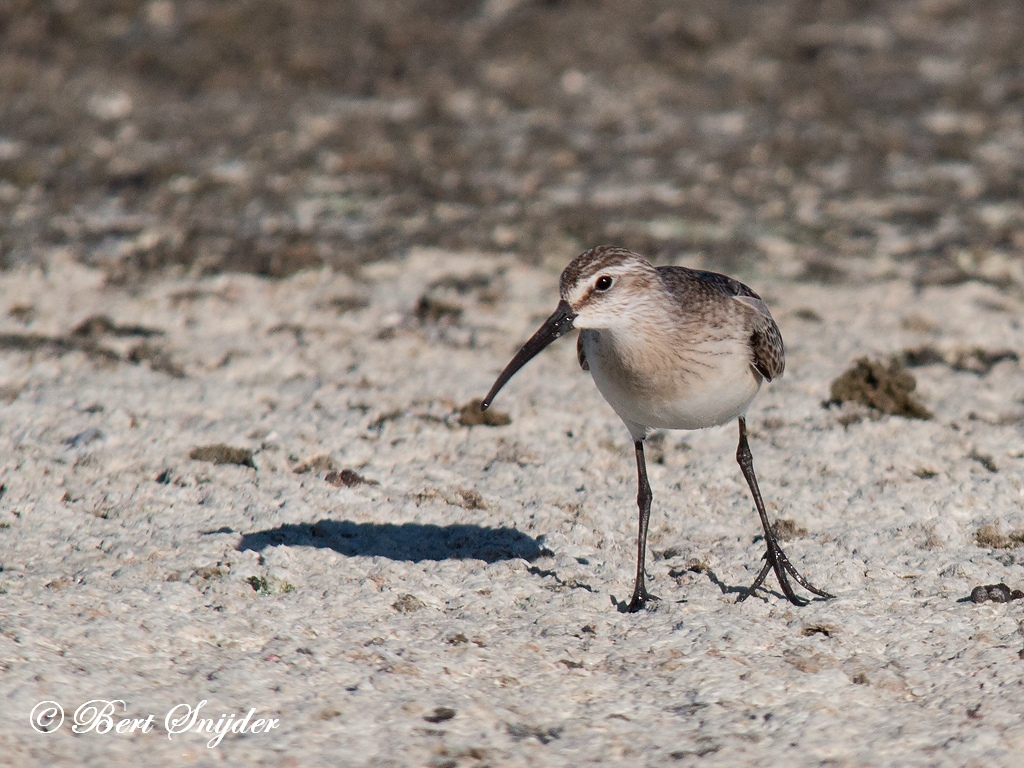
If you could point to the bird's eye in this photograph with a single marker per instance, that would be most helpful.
(603, 283)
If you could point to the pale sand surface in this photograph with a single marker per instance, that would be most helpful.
(513, 541)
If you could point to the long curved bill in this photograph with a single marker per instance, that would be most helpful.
(556, 326)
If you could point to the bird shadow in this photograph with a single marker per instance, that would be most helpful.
(413, 542)
(726, 589)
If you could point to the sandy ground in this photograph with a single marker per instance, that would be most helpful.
(458, 608)
(298, 237)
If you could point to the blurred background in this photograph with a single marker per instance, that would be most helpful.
(828, 141)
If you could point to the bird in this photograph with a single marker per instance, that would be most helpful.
(669, 348)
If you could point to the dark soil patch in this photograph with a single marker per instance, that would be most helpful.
(271, 136)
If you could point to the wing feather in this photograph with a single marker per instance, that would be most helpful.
(768, 353)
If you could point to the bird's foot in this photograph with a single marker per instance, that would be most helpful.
(639, 601)
(775, 559)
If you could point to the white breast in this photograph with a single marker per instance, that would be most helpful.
(652, 386)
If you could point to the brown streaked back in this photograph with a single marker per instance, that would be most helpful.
(768, 353)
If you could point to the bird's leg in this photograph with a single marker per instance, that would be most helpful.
(775, 558)
(643, 503)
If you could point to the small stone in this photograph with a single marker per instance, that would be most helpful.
(999, 593)
(440, 714)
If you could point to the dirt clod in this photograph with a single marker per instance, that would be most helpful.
(221, 453)
(408, 604)
(348, 478)
(159, 360)
(980, 361)
(431, 309)
(887, 388)
(471, 415)
(471, 498)
(990, 536)
(787, 530)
